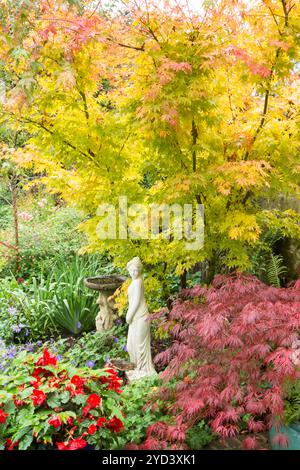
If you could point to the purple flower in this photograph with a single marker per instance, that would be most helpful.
(79, 325)
(59, 357)
(39, 343)
(90, 363)
(116, 339)
(16, 329)
(73, 362)
(119, 321)
(12, 310)
(106, 359)
(11, 355)
(125, 348)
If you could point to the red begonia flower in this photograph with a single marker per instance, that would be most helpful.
(62, 445)
(100, 422)
(92, 429)
(115, 424)
(37, 371)
(86, 410)
(9, 444)
(78, 443)
(3, 416)
(18, 402)
(55, 421)
(77, 381)
(70, 421)
(38, 397)
(47, 359)
(35, 383)
(75, 444)
(94, 400)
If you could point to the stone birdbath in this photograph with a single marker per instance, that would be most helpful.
(106, 286)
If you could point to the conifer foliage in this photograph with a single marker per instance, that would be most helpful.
(231, 356)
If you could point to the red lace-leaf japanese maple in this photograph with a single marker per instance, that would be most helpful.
(235, 358)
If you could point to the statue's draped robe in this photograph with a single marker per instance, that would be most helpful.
(138, 340)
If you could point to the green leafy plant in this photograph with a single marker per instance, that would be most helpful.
(94, 348)
(45, 403)
(60, 302)
(139, 414)
(275, 270)
(5, 210)
(15, 324)
(292, 403)
(48, 237)
(199, 435)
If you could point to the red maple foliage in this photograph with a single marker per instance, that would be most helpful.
(231, 355)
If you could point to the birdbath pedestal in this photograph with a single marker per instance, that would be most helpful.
(106, 286)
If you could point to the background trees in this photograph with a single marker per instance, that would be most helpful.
(162, 104)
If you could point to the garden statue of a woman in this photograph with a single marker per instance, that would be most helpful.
(138, 340)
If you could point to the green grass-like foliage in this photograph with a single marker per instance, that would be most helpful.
(61, 302)
(52, 304)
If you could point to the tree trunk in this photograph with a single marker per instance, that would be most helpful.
(183, 283)
(14, 191)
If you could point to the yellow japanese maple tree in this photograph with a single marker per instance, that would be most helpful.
(163, 104)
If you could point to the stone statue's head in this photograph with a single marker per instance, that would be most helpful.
(135, 267)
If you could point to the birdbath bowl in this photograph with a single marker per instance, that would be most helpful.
(121, 364)
(106, 286)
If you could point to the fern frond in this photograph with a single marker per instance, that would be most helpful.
(275, 270)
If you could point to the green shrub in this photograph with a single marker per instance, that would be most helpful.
(139, 415)
(266, 264)
(199, 435)
(15, 322)
(94, 349)
(49, 237)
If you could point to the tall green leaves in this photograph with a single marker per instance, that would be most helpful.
(275, 270)
(60, 302)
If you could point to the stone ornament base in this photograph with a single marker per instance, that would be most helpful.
(106, 286)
